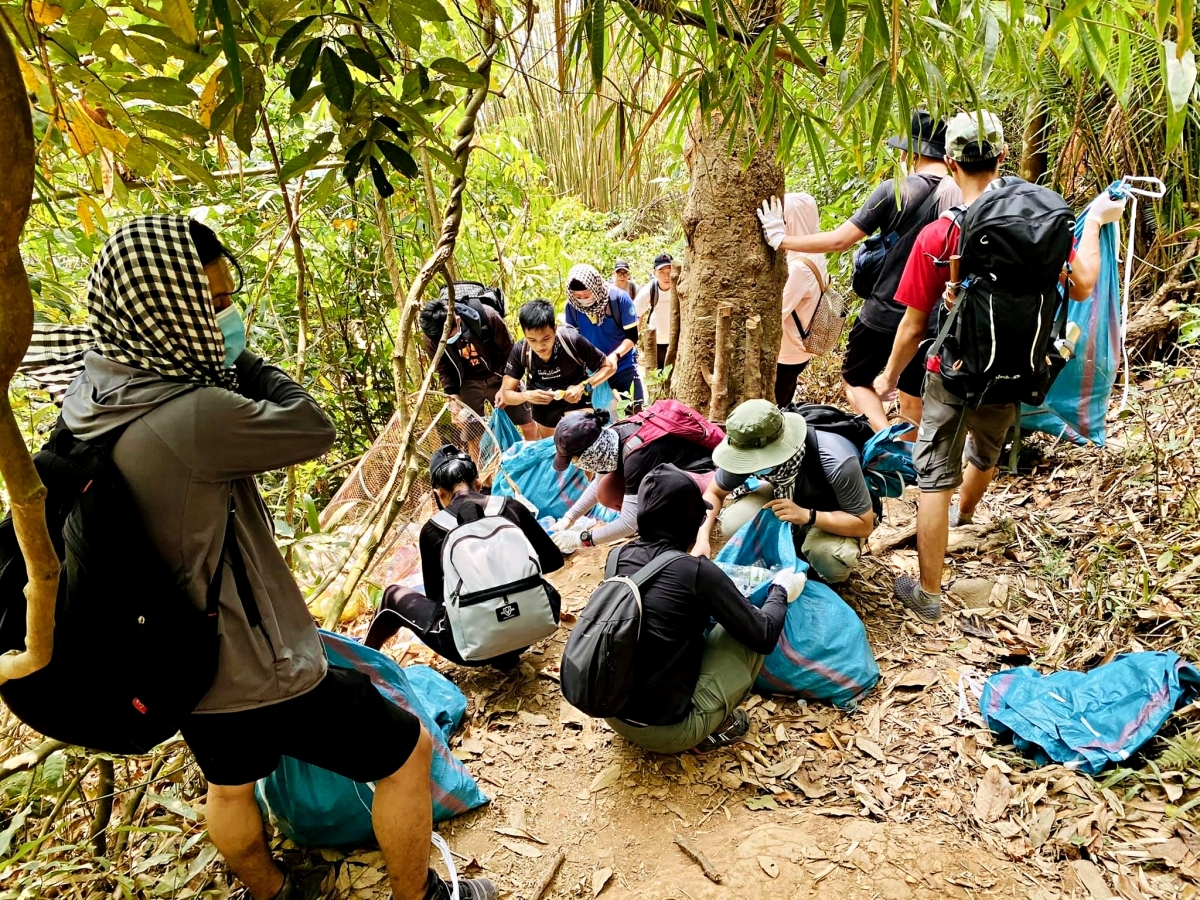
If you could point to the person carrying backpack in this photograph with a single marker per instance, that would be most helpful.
(655, 298)
(198, 417)
(681, 689)
(559, 366)
(809, 476)
(924, 194)
(471, 369)
(504, 547)
(993, 346)
(621, 455)
(605, 316)
(807, 273)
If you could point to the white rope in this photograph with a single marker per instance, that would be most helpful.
(1155, 190)
(440, 843)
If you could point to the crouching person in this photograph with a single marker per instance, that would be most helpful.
(687, 686)
(456, 486)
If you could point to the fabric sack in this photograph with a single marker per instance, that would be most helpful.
(526, 471)
(316, 808)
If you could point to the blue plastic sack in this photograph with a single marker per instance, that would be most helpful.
(1077, 402)
(505, 432)
(529, 465)
(317, 808)
(823, 652)
(602, 396)
(887, 462)
(1088, 720)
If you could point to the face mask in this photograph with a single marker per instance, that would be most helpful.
(453, 339)
(233, 329)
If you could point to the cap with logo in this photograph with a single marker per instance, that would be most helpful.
(926, 137)
(621, 264)
(575, 432)
(974, 137)
(663, 259)
(759, 435)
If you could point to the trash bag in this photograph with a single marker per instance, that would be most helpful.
(887, 462)
(317, 808)
(602, 397)
(823, 653)
(1077, 402)
(527, 467)
(1087, 720)
(506, 434)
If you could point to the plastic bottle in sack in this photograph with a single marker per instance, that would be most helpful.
(747, 578)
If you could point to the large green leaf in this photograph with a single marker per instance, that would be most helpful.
(364, 61)
(400, 158)
(229, 45)
(246, 124)
(835, 20)
(185, 166)
(429, 10)
(178, 16)
(140, 157)
(85, 26)
(302, 74)
(160, 89)
(597, 26)
(289, 37)
(336, 79)
(172, 123)
(405, 26)
(380, 178)
(314, 153)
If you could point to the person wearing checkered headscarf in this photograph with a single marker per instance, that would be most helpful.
(605, 315)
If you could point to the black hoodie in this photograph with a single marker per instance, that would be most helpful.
(679, 602)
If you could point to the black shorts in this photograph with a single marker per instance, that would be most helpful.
(867, 354)
(343, 724)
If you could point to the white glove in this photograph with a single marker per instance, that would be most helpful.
(1105, 209)
(791, 581)
(566, 541)
(771, 218)
(561, 525)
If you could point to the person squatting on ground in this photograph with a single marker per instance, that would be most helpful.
(587, 439)
(825, 499)
(551, 359)
(604, 315)
(202, 416)
(924, 195)
(806, 273)
(950, 426)
(455, 481)
(656, 298)
(472, 367)
(688, 685)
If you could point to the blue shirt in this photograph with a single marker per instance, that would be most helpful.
(608, 335)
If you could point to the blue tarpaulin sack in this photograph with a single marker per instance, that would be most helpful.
(823, 653)
(317, 808)
(1088, 720)
(887, 462)
(500, 430)
(1077, 402)
(529, 466)
(602, 396)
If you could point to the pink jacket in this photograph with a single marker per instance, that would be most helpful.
(801, 291)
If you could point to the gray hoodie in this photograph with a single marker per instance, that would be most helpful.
(186, 447)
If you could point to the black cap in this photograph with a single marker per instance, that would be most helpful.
(663, 259)
(575, 432)
(927, 136)
(443, 455)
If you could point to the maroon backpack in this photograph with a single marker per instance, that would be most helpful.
(670, 417)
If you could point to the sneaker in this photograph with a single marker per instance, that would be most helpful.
(927, 606)
(957, 518)
(291, 888)
(731, 731)
(437, 888)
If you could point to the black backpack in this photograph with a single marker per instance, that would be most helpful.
(995, 344)
(479, 292)
(873, 253)
(596, 672)
(133, 656)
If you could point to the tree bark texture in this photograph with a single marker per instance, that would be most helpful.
(26, 494)
(728, 262)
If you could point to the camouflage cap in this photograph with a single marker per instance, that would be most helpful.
(965, 142)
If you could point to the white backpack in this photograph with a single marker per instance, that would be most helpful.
(496, 601)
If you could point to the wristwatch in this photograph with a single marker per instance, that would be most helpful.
(585, 538)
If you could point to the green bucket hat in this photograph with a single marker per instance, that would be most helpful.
(758, 435)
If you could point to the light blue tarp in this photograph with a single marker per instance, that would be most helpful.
(1088, 720)
(316, 808)
(505, 432)
(530, 466)
(823, 653)
(1077, 403)
(887, 462)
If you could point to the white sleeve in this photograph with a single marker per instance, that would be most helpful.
(585, 503)
(641, 302)
(623, 526)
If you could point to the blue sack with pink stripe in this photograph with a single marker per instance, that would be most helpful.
(823, 653)
(1087, 720)
(317, 808)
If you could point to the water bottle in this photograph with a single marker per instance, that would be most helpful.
(747, 578)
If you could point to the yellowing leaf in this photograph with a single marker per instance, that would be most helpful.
(208, 100)
(79, 132)
(178, 16)
(46, 13)
(29, 74)
(85, 217)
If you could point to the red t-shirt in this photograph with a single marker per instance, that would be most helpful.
(923, 283)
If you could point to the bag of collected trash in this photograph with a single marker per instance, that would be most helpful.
(528, 467)
(317, 808)
(1087, 720)
(823, 653)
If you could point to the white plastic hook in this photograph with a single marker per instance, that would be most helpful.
(1153, 189)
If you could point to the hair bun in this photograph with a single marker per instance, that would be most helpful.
(602, 417)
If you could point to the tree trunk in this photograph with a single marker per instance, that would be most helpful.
(728, 262)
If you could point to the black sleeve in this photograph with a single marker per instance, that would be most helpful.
(758, 629)
(430, 544)
(549, 555)
(516, 361)
(585, 350)
(632, 333)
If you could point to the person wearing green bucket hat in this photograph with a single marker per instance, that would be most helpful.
(810, 478)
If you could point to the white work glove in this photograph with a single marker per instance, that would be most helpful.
(566, 541)
(791, 581)
(1105, 209)
(771, 218)
(560, 525)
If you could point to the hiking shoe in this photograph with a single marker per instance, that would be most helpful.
(291, 888)
(957, 519)
(731, 731)
(437, 888)
(927, 606)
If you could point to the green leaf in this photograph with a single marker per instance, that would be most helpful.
(160, 89)
(596, 36)
(449, 65)
(400, 158)
(429, 10)
(710, 25)
(200, 15)
(883, 113)
(991, 40)
(140, 157)
(799, 50)
(310, 512)
(381, 183)
(229, 45)
(364, 61)
(290, 37)
(324, 190)
(185, 166)
(394, 127)
(314, 153)
(406, 27)
(643, 27)
(835, 18)
(335, 76)
(302, 74)
(178, 16)
(866, 86)
(85, 26)
(1162, 16)
(172, 123)
(1180, 75)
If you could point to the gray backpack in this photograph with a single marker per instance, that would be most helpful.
(596, 671)
(496, 600)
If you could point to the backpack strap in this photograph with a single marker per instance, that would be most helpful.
(494, 506)
(566, 345)
(443, 520)
(822, 286)
(610, 565)
(656, 565)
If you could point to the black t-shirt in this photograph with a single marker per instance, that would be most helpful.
(684, 454)
(568, 365)
(880, 311)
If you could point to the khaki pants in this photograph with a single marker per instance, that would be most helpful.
(831, 556)
(727, 672)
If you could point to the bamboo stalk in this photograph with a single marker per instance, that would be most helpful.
(719, 382)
